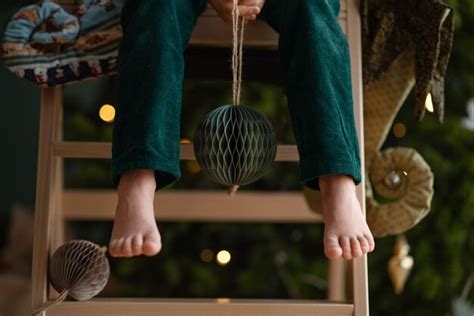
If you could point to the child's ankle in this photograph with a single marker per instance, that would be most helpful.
(138, 179)
(331, 181)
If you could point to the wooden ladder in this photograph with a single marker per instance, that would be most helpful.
(55, 206)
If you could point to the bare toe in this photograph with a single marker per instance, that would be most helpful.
(137, 243)
(371, 242)
(113, 247)
(346, 248)
(332, 249)
(127, 247)
(116, 251)
(356, 251)
(151, 245)
(364, 244)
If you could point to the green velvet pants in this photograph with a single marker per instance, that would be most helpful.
(315, 57)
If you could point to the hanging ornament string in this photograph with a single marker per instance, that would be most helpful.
(237, 51)
(62, 296)
(235, 144)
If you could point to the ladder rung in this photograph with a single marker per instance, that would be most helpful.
(201, 307)
(103, 150)
(187, 205)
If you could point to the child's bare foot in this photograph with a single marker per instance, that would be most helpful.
(135, 231)
(346, 233)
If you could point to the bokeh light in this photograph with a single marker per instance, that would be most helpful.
(207, 255)
(223, 300)
(429, 103)
(192, 166)
(185, 140)
(223, 257)
(107, 113)
(399, 130)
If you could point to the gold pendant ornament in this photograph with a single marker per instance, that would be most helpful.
(401, 264)
(399, 192)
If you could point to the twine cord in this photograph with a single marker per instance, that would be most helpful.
(237, 52)
(62, 296)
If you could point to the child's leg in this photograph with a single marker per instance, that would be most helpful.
(145, 146)
(315, 56)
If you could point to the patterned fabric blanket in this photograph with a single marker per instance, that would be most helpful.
(49, 46)
(391, 27)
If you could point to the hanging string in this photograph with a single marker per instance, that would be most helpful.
(237, 52)
(62, 296)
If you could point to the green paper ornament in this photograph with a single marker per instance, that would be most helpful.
(234, 145)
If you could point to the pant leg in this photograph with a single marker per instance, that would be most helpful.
(315, 57)
(146, 131)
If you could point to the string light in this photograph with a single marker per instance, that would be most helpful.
(223, 257)
(193, 166)
(468, 122)
(223, 300)
(107, 113)
(399, 130)
(207, 255)
(429, 103)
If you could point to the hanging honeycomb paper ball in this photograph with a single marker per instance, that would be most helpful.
(78, 269)
(234, 145)
(81, 268)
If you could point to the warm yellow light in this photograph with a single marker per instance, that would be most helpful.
(399, 130)
(223, 300)
(429, 103)
(193, 166)
(405, 173)
(207, 255)
(223, 257)
(107, 113)
(185, 140)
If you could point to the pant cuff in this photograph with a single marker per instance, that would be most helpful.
(167, 172)
(311, 169)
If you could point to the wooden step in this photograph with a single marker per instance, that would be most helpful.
(200, 307)
(103, 150)
(197, 206)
